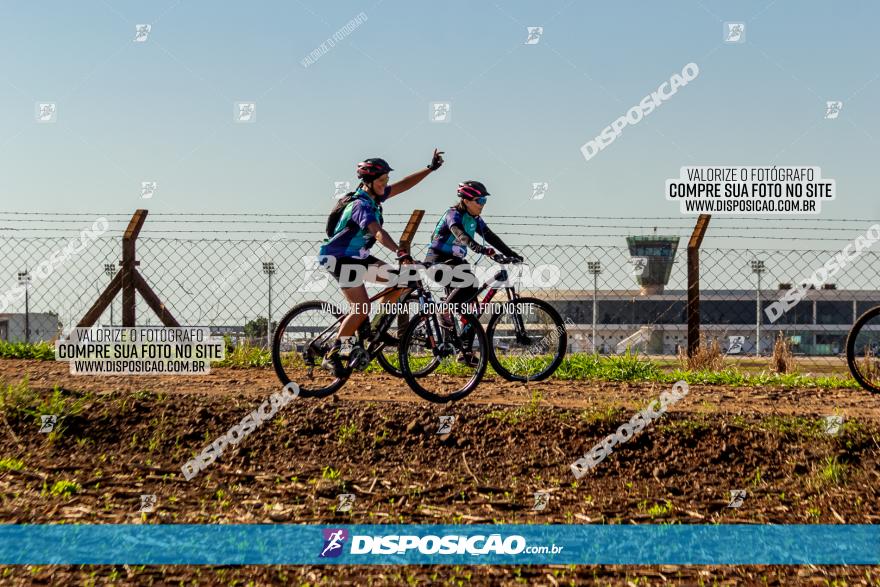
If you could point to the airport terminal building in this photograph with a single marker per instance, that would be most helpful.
(818, 325)
(653, 319)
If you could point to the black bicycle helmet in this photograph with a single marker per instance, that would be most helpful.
(370, 169)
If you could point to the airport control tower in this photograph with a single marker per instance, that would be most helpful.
(659, 251)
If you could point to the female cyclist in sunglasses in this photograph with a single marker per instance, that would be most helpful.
(454, 235)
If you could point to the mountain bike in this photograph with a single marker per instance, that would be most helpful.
(527, 337)
(862, 349)
(430, 367)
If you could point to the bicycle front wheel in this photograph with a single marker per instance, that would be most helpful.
(302, 337)
(527, 340)
(862, 349)
(443, 369)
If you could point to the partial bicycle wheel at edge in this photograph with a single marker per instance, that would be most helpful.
(536, 357)
(297, 352)
(862, 347)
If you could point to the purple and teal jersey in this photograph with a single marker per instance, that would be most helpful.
(351, 237)
(444, 243)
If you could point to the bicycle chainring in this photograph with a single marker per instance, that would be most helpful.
(359, 359)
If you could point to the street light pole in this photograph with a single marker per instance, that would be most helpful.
(110, 270)
(269, 269)
(25, 278)
(594, 267)
(758, 268)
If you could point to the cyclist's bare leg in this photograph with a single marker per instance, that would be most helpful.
(358, 302)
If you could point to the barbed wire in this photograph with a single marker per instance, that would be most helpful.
(519, 216)
(298, 222)
(146, 232)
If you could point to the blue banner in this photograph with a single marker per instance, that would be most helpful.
(439, 544)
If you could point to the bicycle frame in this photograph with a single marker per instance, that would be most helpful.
(512, 295)
(424, 298)
(383, 327)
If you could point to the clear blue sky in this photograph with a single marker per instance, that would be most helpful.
(163, 110)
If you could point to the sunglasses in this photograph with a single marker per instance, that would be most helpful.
(481, 200)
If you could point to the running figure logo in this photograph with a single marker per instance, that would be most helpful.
(315, 277)
(734, 32)
(440, 112)
(539, 189)
(346, 500)
(638, 265)
(535, 33)
(340, 188)
(832, 424)
(735, 344)
(334, 538)
(541, 499)
(47, 112)
(737, 496)
(148, 189)
(148, 503)
(446, 423)
(141, 32)
(48, 422)
(245, 112)
(832, 109)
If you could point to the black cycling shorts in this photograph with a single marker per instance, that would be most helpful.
(343, 261)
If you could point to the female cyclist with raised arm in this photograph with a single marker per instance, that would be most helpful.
(348, 249)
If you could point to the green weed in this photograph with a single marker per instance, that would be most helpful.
(42, 351)
(330, 473)
(832, 472)
(347, 432)
(8, 464)
(65, 488)
(245, 356)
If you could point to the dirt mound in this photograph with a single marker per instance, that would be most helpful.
(122, 444)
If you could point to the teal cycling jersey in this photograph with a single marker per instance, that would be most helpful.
(444, 242)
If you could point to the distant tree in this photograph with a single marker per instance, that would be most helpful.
(256, 328)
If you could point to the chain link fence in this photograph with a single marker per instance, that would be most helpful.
(637, 287)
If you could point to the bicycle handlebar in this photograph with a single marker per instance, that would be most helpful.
(502, 260)
(498, 258)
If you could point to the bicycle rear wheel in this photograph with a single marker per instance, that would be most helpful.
(302, 337)
(527, 340)
(445, 369)
(862, 349)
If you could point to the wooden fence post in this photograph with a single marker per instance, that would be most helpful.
(693, 302)
(128, 280)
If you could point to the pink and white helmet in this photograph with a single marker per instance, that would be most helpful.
(472, 189)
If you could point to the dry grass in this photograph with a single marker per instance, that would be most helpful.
(707, 358)
(782, 360)
(869, 366)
